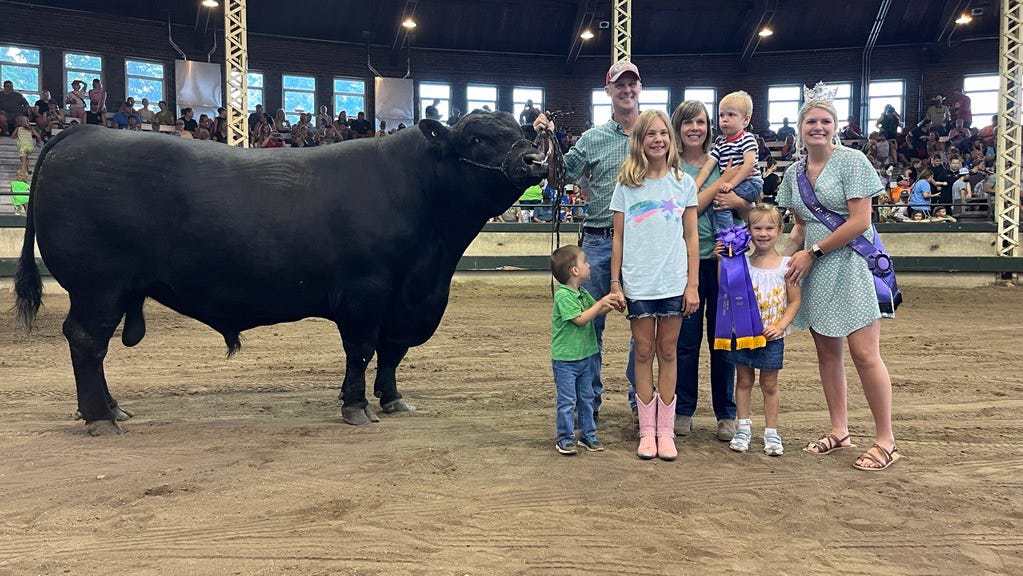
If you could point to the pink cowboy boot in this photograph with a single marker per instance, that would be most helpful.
(666, 429)
(647, 429)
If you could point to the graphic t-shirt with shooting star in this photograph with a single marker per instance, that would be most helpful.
(654, 256)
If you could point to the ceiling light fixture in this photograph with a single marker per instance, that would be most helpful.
(964, 18)
(409, 23)
(586, 35)
(765, 32)
(210, 3)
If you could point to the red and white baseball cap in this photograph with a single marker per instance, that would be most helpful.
(619, 68)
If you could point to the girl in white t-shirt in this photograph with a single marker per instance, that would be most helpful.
(655, 267)
(778, 301)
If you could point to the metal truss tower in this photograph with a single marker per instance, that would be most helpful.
(1009, 167)
(236, 67)
(621, 43)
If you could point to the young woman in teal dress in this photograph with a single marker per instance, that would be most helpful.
(839, 302)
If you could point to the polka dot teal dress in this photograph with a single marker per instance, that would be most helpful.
(838, 292)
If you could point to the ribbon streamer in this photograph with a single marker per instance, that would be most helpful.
(738, 314)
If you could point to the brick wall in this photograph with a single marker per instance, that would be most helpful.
(926, 71)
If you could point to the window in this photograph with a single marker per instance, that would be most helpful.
(983, 93)
(144, 80)
(709, 98)
(299, 96)
(84, 67)
(21, 66)
(783, 102)
(843, 100)
(600, 107)
(879, 95)
(522, 95)
(655, 99)
(255, 91)
(349, 95)
(438, 95)
(476, 97)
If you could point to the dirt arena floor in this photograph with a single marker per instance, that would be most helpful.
(242, 466)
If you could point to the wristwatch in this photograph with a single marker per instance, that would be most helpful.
(816, 251)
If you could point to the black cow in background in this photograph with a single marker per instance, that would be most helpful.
(365, 233)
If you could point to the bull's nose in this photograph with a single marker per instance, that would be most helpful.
(532, 158)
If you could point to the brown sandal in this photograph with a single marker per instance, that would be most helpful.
(887, 459)
(827, 444)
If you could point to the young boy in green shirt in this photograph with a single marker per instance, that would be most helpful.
(574, 348)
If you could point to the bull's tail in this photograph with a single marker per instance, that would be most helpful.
(27, 283)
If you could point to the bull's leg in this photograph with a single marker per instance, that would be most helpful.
(354, 406)
(385, 387)
(88, 327)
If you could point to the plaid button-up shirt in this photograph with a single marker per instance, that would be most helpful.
(599, 155)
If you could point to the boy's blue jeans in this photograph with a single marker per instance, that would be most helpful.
(574, 383)
(749, 190)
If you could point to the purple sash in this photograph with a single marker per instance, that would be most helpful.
(878, 261)
(738, 314)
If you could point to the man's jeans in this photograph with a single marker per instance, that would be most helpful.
(598, 253)
(573, 381)
(722, 373)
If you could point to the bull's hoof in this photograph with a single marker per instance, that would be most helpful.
(360, 416)
(120, 414)
(103, 428)
(397, 406)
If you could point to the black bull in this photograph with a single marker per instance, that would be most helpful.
(365, 233)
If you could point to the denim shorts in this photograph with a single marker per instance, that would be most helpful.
(770, 357)
(654, 308)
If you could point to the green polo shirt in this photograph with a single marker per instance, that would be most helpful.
(599, 154)
(568, 341)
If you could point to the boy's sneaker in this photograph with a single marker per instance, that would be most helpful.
(772, 443)
(741, 439)
(591, 444)
(566, 447)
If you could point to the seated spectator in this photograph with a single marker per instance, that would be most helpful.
(870, 150)
(789, 147)
(763, 152)
(205, 122)
(771, 180)
(987, 133)
(202, 133)
(383, 128)
(97, 103)
(962, 192)
(219, 130)
(133, 122)
(768, 135)
(342, 118)
(75, 101)
(977, 154)
(361, 127)
(189, 120)
(960, 136)
(12, 104)
(120, 119)
(884, 152)
(179, 128)
(934, 145)
(165, 117)
(889, 122)
(852, 130)
(941, 214)
(920, 195)
(145, 114)
(48, 114)
(255, 118)
(785, 131)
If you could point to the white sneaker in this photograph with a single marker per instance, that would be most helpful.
(741, 439)
(772, 443)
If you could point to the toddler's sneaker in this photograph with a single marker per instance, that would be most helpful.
(591, 444)
(772, 443)
(566, 447)
(742, 437)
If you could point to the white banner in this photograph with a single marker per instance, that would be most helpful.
(200, 86)
(394, 101)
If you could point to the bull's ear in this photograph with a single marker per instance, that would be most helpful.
(435, 132)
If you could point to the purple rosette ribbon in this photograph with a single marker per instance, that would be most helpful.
(738, 314)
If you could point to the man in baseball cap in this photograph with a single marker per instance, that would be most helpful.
(599, 154)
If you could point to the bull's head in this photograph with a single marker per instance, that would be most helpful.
(486, 153)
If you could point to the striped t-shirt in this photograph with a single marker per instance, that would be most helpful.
(725, 151)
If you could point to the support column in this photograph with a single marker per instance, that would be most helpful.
(236, 67)
(1010, 132)
(621, 44)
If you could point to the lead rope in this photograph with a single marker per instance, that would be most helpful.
(547, 144)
